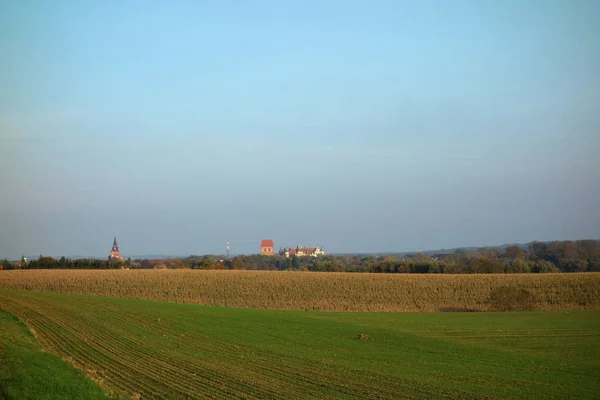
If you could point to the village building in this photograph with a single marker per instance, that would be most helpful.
(115, 254)
(20, 264)
(301, 251)
(267, 248)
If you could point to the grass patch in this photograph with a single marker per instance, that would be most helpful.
(166, 350)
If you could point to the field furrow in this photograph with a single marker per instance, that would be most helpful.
(256, 370)
(153, 373)
(55, 338)
(174, 351)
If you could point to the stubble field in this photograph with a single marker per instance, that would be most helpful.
(321, 291)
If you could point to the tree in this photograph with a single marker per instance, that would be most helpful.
(47, 262)
(326, 264)
(222, 264)
(542, 266)
(205, 263)
(538, 250)
(179, 264)
(461, 253)
(421, 267)
(239, 263)
(588, 250)
(570, 250)
(515, 253)
(594, 266)
(295, 263)
(577, 265)
(561, 253)
(437, 267)
(456, 267)
(485, 266)
(517, 266)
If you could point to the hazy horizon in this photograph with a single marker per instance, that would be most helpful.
(360, 126)
(256, 252)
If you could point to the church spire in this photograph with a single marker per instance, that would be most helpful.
(115, 247)
(115, 254)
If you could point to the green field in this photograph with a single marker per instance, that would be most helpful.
(164, 350)
(27, 372)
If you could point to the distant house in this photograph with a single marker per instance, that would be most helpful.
(301, 251)
(267, 248)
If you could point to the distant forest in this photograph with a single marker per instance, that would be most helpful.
(535, 257)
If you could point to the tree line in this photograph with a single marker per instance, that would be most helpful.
(45, 262)
(536, 257)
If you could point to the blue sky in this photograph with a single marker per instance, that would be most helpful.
(361, 126)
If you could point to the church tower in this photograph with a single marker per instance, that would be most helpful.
(115, 254)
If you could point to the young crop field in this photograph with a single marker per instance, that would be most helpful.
(27, 372)
(154, 350)
(323, 291)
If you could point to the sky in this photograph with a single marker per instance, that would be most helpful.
(359, 126)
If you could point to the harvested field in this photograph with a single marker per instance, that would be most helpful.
(152, 350)
(322, 291)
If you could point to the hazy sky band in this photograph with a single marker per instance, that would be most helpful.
(359, 126)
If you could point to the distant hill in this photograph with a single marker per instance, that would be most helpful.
(438, 251)
(152, 256)
(385, 253)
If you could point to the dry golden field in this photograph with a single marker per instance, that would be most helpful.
(320, 290)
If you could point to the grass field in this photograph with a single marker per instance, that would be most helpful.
(320, 291)
(176, 351)
(27, 372)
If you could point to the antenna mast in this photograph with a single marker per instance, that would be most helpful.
(227, 247)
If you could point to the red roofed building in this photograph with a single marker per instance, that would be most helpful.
(301, 251)
(267, 248)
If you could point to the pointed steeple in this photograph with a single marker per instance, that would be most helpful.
(115, 254)
(115, 247)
